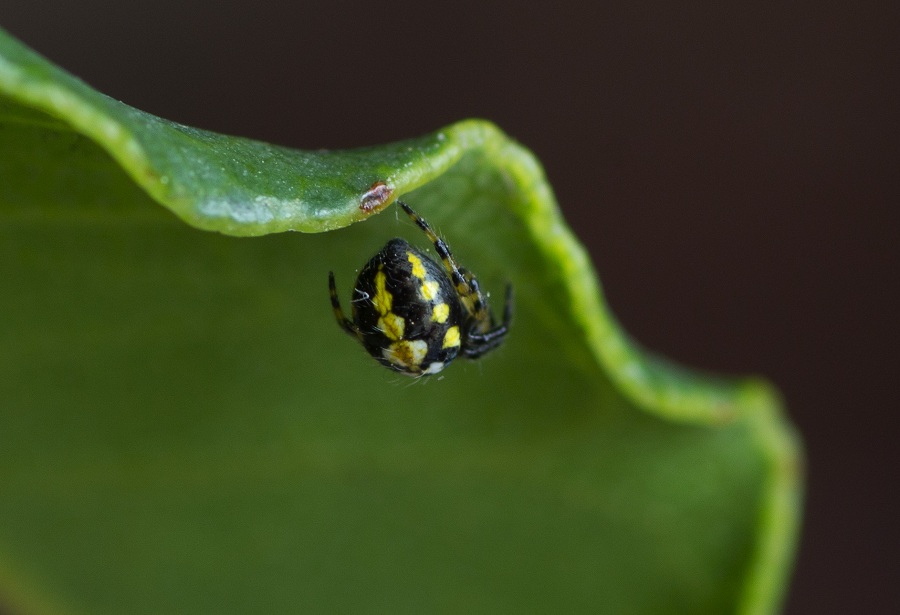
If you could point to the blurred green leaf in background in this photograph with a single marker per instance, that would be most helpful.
(184, 428)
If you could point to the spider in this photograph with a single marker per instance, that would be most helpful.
(415, 316)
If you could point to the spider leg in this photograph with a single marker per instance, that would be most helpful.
(442, 249)
(475, 303)
(483, 335)
(479, 343)
(345, 323)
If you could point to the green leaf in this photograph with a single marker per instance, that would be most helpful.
(184, 428)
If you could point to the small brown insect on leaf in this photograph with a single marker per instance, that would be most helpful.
(375, 197)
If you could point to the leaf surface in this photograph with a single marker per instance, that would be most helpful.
(184, 428)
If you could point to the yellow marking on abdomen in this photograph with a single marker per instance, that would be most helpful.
(451, 338)
(408, 354)
(418, 269)
(430, 290)
(440, 312)
(383, 300)
(392, 326)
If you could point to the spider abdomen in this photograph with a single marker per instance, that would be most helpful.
(406, 310)
(414, 315)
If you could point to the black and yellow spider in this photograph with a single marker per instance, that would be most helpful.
(415, 316)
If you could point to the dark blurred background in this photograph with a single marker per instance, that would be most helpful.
(732, 168)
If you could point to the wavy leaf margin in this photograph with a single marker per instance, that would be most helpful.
(373, 179)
